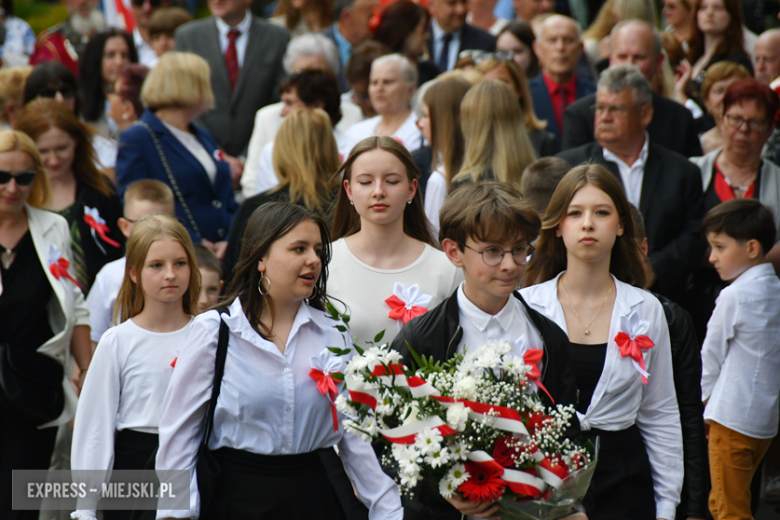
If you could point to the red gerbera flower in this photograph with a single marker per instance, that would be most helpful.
(485, 483)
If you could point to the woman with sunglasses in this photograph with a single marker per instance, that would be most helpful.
(35, 283)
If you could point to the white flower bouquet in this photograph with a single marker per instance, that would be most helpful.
(474, 425)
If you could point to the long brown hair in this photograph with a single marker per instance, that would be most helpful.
(346, 221)
(732, 38)
(443, 99)
(269, 223)
(626, 261)
(130, 301)
(42, 114)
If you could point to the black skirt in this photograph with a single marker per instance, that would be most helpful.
(132, 450)
(258, 487)
(622, 486)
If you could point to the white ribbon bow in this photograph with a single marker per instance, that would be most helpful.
(327, 362)
(412, 297)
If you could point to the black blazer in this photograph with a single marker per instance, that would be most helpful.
(543, 103)
(672, 204)
(423, 159)
(672, 126)
(545, 143)
(471, 38)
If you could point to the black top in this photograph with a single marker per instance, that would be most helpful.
(24, 322)
(589, 361)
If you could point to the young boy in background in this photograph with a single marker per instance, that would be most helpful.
(142, 198)
(210, 277)
(741, 355)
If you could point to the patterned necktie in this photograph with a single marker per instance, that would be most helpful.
(231, 57)
(444, 57)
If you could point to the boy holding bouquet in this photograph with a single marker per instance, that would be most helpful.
(740, 355)
(486, 229)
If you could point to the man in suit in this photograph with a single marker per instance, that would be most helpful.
(664, 185)
(558, 45)
(350, 30)
(450, 34)
(637, 42)
(245, 55)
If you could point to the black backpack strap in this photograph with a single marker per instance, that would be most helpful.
(222, 347)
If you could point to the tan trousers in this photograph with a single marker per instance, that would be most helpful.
(734, 459)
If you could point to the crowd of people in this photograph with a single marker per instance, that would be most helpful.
(181, 200)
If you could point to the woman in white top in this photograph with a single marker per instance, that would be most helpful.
(441, 122)
(386, 268)
(391, 87)
(272, 425)
(588, 267)
(121, 403)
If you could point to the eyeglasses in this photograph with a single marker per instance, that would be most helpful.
(153, 3)
(51, 92)
(601, 109)
(736, 122)
(24, 178)
(492, 256)
(478, 56)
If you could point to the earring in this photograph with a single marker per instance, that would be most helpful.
(260, 285)
(313, 294)
(124, 117)
(408, 201)
(351, 202)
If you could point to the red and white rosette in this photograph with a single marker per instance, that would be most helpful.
(633, 341)
(98, 227)
(58, 267)
(326, 371)
(407, 303)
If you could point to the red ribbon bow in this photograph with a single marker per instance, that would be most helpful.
(398, 310)
(60, 269)
(101, 230)
(633, 347)
(533, 357)
(326, 384)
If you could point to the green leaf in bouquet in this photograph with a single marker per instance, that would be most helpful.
(341, 328)
(359, 350)
(415, 356)
(345, 318)
(339, 351)
(338, 376)
(379, 337)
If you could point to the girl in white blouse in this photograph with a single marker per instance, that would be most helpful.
(121, 403)
(386, 266)
(272, 425)
(588, 266)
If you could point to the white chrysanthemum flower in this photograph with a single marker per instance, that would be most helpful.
(502, 347)
(446, 488)
(356, 364)
(459, 450)
(343, 406)
(465, 388)
(428, 441)
(391, 356)
(457, 415)
(410, 480)
(438, 458)
(458, 475)
(515, 365)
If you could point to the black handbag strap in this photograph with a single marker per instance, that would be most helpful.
(171, 178)
(222, 347)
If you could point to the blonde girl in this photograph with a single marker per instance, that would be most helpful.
(497, 143)
(121, 403)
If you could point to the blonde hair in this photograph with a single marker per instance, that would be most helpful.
(496, 138)
(130, 301)
(12, 82)
(521, 84)
(306, 158)
(12, 141)
(614, 11)
(182, 79)
(150, 190)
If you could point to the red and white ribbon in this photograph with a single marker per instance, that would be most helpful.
(326, 371)
(58, 267)
(632, 341)
(98, 225)
(407, 303)
(519, 482)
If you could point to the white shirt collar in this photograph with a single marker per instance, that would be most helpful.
(757, 271)
(642, 159)
(438, 32)
(480, 318)
(244, 26)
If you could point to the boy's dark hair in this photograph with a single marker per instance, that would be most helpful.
(742, 220)
(487, 212)
(207, 259)
(540, 178)
(165, 21)
(313, 86)
(359, 65)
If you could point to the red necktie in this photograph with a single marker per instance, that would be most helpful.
(231, 57)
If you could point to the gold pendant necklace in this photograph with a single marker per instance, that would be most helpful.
(7, 258)
(586, 327)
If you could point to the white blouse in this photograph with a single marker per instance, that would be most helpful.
(741, 355)
(124, 387)
(267, 404)
(435, 195)
(407, 134)
(364, 289)
(196, 148)
(102, 297)
(620, 399)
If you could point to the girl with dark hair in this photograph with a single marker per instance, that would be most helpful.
(80, 192)
(383, 247)
(53, 80)
(588, 267)
(106, 54)
(271, 426)
(404, 29)
(124, 96)
(519, 38)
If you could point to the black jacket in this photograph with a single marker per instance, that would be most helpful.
(672, 204)
(686, 364)
(438, 333)
(545, 143)
(423, 159)
(672, 126)
(471, 38)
